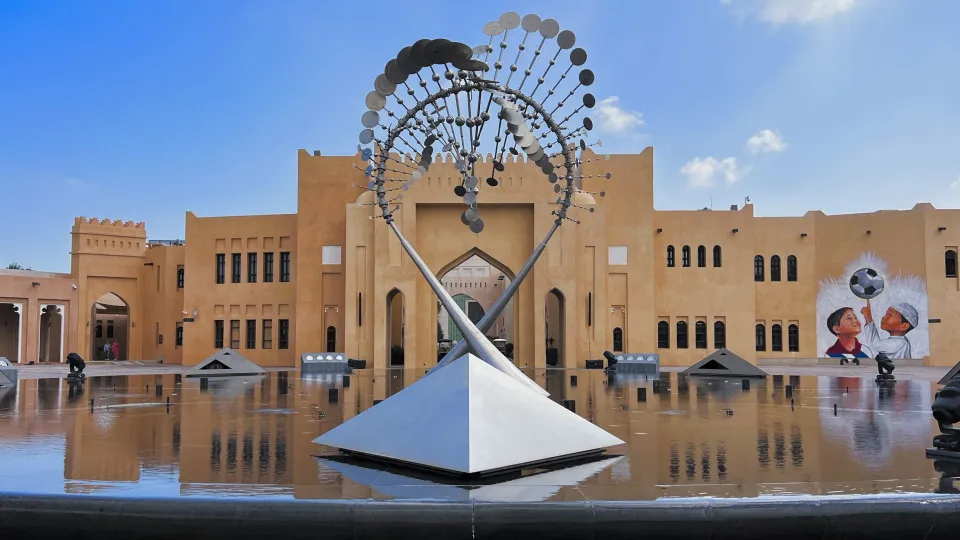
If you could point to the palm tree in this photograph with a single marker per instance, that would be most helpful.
(15, 266)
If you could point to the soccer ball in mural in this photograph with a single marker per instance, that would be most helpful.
(865, 283)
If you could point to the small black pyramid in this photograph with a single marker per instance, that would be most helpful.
(223, 363)
(724, 363)
(952, 374)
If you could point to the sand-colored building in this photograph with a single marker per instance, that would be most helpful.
(628, 277)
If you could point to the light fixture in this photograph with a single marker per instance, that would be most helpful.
(735, 231)
(869, 231)
(36, 283)
(659, 231)
(803, 235)
(941, 229)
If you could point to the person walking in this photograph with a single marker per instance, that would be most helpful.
(106, 350)
(115, 348)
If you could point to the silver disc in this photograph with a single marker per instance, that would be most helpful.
(510, 20)
(369, 170)
(547, 169)
(530, 23)
(556, 188)
(367, 154)
(370, 119)
(549, 28)
(372, 185)
(415, 175)
(470, 198)
(463, 218)
(375, 101)
(479, 49)
(471, 214)
(476, 226)
(470, 182)
(586, 77)
(366, 136)
(566, 39)
(578, 57)
(405, 186)
(383, 86)
(525, 139)
(461, 165)
(492, 28)
(532, 147)
(552, 177)
(536, 155)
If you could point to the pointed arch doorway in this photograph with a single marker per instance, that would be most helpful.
(555, 330)
(110, 316)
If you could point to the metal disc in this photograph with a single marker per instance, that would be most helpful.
(366, 136)
(415, 175)
(537, 155)
(608, 176)
(367, 154)
(427, 153)
(479, 49)
(578, 57)
(460, 165)
(492, 28)
(556, 188)
(370, 119)
(405, 61)
(549, 28)
(530, 23)
(509, 20)
(375, 101)
(471, 214)
(471, 64)
(583, 144)
(476, 226)
(394, 73)
(470, 182)
(405, 186)
(552, 177)
(514, 151)
(456, 51)
(372, 185)
(369, 170)
(603, 193)
(433, 52)
(532, 147)
(459, 191)
(566, 39)
(586, 77)
(383, 86)
(431, 138)
(416, 53)
(589, 101)
(492, 181)
(587, 123)
(523, 139)
(547, 169)
(470, 198)
(463, 218)
(542, 161)
(498, 165)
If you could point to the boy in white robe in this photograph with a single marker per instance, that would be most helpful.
(897, 321)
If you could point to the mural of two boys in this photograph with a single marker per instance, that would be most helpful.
(898, 320)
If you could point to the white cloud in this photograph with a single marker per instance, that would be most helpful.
(955, 184)
(703, 172)
(793, 11)
(613, 119)
(766, 141)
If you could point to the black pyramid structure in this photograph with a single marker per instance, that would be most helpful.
(724, 363)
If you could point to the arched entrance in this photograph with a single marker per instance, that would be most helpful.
(111, 321)
(476, 281)
(51, 333)
(396, 323)
(555, 322)
(11, 330)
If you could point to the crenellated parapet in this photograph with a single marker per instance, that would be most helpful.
(81, 220)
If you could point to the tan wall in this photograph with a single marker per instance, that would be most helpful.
(16, 287)
(163, 302)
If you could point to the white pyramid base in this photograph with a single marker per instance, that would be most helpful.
(469, 418)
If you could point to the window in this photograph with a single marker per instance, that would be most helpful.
(686, 256)
(663, 335)
(331, 339)
(950, 263)
(285, 267)
(717, 260)
(761, 338)
(701, 257)
(267, 334)
(221, 268)
(251, 267)
(99, 330)
(217, 334)
(109, 329)
(791, 268)
(234, 334)
(618, 339)
(719, 335)
(251, 333)
(793, 338)
(179, 338)
(758, 268)
(700, 334)
(235, 268)
(671, 257)
(681, 334)
(179, 277)
(284, 332)
(775, 268)
(776, 338)
(268, 267)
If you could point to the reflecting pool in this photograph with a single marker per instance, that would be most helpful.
(163, 435)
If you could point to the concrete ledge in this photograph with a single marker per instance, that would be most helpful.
(103, 518)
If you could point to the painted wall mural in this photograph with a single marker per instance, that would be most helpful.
(870, 310)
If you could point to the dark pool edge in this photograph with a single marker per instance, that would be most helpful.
(26, 516)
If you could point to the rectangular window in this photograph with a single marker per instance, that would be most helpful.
(179, 342)
(221, 268)
(284, 336)
(251, 267)
(285, 266)
(235, 267)
(793, 338)
(663, 335)
(267, 334)
(251, 334)
(217, 334)
(234, 335)
(268, 267)
(180, 277)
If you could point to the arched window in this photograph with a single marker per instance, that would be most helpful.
(793, 338)
(618, 340)
(701, 257)
(99, 331)
(686, 256)
(109, 329)
(331, 339)
(776, 338)
(671, 257)
(758, 268)
(791, 268)
(775, 268)
(761, 338)
(950, 262)
(719, 335)
(717, 260)
(681, 334)
(663, 335)
(700, 334)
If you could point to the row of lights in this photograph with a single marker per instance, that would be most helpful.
(804, 235)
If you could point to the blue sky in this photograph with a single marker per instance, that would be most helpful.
(143, 110)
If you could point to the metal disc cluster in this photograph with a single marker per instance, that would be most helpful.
(437, 95)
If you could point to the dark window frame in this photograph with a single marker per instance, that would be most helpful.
(758, 268)
(178, 342)
(760, 337)
(218, 330)
(268, 267)
(950, 263)
(618, 339)
(776, 338)
(775, 268)
(236, 267)
(283, 333)
(791, 267)
(719, 335)
(717, 257)
(663, 335)
(251, 334)
(180, 276)
(683, 340)
(266, 338)
(701, 257)
(234, 331)
(331, 339)
(685, 256)
(671, 257)
(285, 267)
(793, 338)
(252, 267)
(221, 268)
(700, 334)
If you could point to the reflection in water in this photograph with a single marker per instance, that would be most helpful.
(687, 436)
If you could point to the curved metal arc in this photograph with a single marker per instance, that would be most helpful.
(491, 316)
(477, 341)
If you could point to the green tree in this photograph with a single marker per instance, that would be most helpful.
(15, 266)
